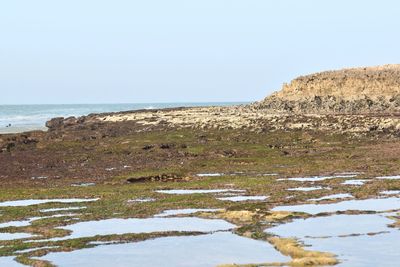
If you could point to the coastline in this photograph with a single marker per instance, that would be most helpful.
(132, 172)
(34, 117)
(242, 117)
(128, 160)
(256, 168)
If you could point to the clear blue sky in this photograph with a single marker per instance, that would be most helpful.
(97, 51)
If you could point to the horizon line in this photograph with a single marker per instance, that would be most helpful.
(127, 103)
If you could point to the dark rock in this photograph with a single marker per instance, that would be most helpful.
(167, 146)
(55, 123)
(9, 146)
(373, 128)
(155, 178)
(70, 121)
(230, 153)
(148, 147)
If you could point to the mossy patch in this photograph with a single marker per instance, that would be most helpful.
(300, 256)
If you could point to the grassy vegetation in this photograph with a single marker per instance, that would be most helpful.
(245, 159)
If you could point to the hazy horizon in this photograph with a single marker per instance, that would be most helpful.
(127, 103)
(103, 52)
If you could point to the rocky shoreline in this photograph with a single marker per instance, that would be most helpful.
(245, 118)
(239, 117)
(355, 101)
(251, 166)
(97, 136)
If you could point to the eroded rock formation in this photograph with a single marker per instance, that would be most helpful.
(356, 90)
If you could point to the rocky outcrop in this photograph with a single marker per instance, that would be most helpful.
(357, 90)
(355, 101)
(61, 122)
(241, 118)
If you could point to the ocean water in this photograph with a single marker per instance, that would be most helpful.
(20, 118)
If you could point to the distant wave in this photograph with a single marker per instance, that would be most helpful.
(26, 119)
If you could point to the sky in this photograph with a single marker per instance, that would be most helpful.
(151, 51)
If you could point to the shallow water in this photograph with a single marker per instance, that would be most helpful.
(15, 223)
(209, 174)
(63, 209)
(97, 243)
(318, 178)
(383, 204)
(14, 236)
(29, 221)
(30, 202)
(35, 249)
(231, 194)
(391, 192)
(336, 225)
(380, 249)
(149, 225)
(83, 184)
(336, 196)
(355, 182)
(197, 191)
(141, 200)
(9, 262)
(349, 173)
(306, 189)
(394, 177)
(361, 251)
(167, 213)
(191, 251)
(243, 198)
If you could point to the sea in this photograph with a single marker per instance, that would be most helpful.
(21, 118)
